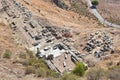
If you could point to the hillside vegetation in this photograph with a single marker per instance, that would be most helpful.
(18, 63)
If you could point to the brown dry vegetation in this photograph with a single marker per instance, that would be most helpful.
(109, 9)
(11, 68)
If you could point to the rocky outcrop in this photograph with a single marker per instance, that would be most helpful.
(61, 4)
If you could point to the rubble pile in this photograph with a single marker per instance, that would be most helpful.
(99, 44)
(59, 33)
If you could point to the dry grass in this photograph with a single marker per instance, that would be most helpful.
(109, 9)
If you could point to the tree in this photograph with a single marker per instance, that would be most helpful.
(95, 2)
(79, 69)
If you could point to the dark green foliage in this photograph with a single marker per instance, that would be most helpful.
(7, 54)
(55, 74)
(95, 2)
(79, 69)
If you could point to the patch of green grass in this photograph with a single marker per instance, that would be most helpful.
(7, 54)
(69, 76)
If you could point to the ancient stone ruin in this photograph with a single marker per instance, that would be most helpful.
(99, 44)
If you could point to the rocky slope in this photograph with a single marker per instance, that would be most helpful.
(80, 22)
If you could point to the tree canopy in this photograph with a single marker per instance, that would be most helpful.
(95, 2)
(79, 69)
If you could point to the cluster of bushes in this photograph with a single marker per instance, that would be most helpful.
(40, 69)
(76, 74)
(79, 69)
(37, 66)
(112, 73)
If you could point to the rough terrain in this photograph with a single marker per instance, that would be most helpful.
(110, 7)
(81, 26)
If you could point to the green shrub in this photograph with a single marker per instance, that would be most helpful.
(54, 74)
(7, 54)
(79, 69)
(95, 2)
(39, 67)
(32, 61)
(36, 62)
(41, 72)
